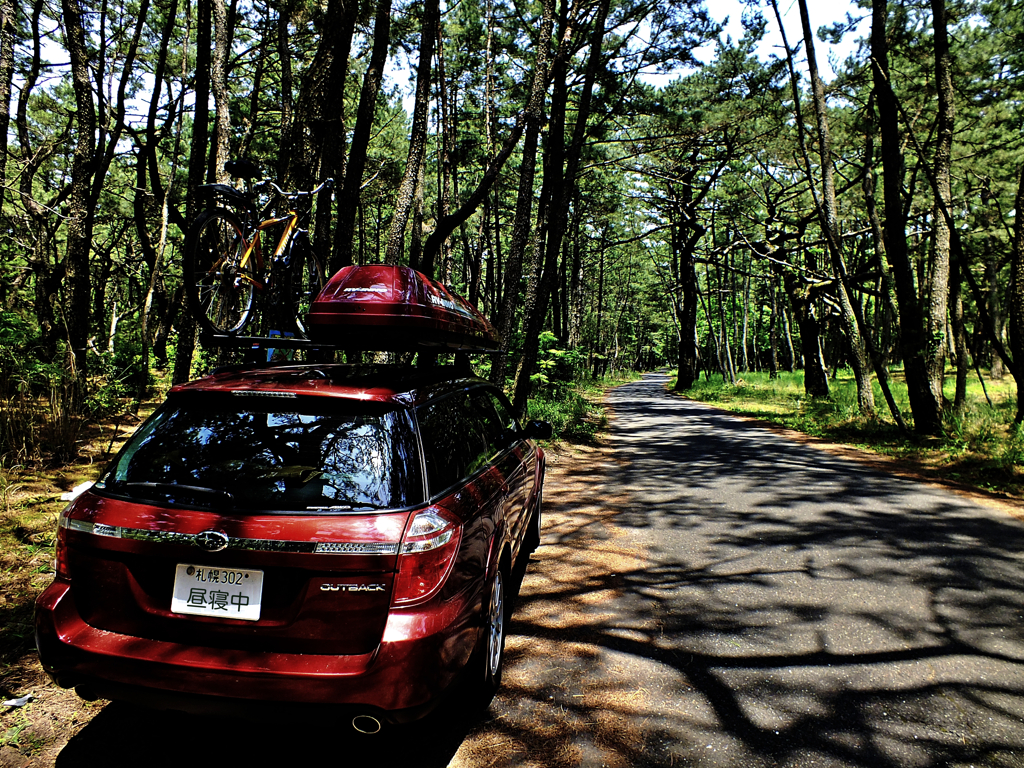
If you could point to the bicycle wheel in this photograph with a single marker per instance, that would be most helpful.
(307, 278)
(218, 286)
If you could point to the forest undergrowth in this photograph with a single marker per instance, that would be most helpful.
(981, 448)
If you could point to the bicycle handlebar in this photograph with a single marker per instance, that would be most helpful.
(325, 184)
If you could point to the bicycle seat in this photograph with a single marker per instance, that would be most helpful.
(242, 169)
(226, 194)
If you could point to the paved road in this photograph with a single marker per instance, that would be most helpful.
(810, 611)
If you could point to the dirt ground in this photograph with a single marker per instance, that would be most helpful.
(563, 702)
(34, 733)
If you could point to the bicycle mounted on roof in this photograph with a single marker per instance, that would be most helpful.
(227, 271)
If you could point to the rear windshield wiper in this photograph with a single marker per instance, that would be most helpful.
(171, 490)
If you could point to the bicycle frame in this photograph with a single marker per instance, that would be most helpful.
(254, 250)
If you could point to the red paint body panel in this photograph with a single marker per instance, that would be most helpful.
(422, 652)
(381, 306)
(377, 527)
(416, 653)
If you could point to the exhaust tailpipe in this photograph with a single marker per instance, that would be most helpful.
(366, 724)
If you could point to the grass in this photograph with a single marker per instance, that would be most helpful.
(29, 506)
(982, 448)
(574, 410)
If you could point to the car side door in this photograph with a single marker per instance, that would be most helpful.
(513, 456)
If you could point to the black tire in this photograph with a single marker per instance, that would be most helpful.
(306, 277)
(489, 658)
(219, 288)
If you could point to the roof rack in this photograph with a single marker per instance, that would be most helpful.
(261, 342)
(377, 341)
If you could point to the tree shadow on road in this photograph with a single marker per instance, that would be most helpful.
(787, 608)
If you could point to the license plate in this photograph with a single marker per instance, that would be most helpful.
(227, 593)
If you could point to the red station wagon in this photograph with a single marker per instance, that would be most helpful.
(302, 534)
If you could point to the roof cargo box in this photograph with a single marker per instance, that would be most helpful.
(386, 307)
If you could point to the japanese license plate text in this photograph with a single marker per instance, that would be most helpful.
(228, 593)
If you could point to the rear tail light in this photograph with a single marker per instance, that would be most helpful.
(426, 556)
(60, 549)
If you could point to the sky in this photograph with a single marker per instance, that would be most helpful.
(822, 12)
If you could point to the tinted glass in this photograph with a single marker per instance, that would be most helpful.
(509, 424)
(264, 453)
(497, 431)
(461, 433)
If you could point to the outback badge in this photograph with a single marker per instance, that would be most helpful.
(352, 588)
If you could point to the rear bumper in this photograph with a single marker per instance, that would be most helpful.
(421, 654)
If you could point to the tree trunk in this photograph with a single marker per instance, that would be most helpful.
(938, 308)
(815, 378)
(745, 333)
(791, 360)
(221, 96)
(828, 211)
(416, 236)
(80, 213)
(418, 139)
(46, 280)
(600, 307)
(156, 293)
(445, 172)
(255, 98)
(562, 192)
(314, 138)
(534, 114)
(476, 265)
(686, 235)
(348, 199)
(956, 304)
(689, 359)
(196, 164)
(7, 29)
(284, 57)
(1017, 295)
(995, 310)
(926, 409)
(880, 348)
(773, 333)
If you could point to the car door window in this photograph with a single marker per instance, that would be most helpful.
(455, 442)
(499, 431)
(509, 422)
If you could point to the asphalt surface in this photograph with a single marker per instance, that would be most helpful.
(809, 611)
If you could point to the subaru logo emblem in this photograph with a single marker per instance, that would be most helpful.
(212, 541)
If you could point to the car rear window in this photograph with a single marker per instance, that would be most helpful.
(271, 453)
